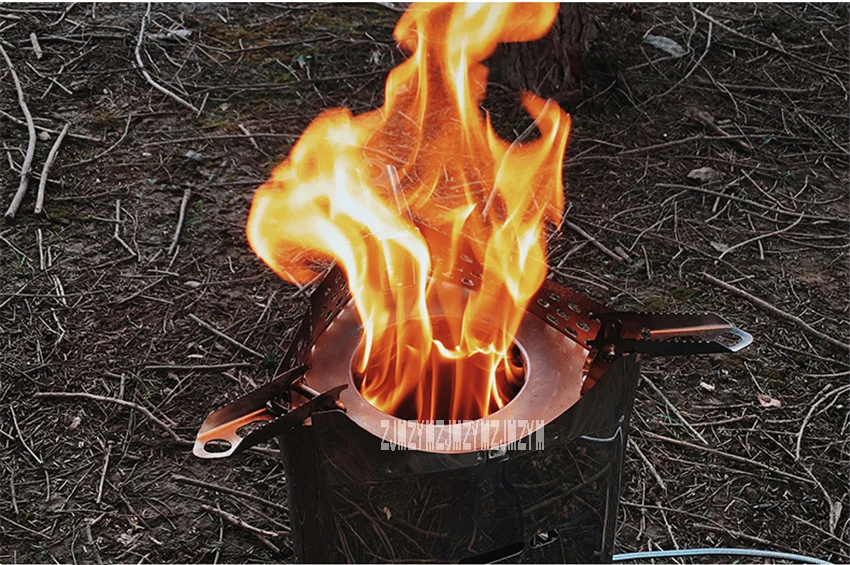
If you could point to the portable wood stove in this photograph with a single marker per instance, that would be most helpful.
(502, 488)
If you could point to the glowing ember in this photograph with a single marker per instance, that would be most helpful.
(424, 186)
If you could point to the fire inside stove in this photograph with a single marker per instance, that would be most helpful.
(443, 373)
(437, 316)
(424, 185)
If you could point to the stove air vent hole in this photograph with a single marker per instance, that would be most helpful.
(217, 446)
(728, 339)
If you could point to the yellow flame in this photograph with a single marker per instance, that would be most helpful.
(362, 190)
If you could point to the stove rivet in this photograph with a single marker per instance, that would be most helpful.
(610, 352)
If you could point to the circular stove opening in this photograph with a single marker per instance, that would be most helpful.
(450, 390)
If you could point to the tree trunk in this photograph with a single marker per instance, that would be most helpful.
(551, 66)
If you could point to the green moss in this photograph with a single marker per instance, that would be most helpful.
(656, 304)
(683, 293)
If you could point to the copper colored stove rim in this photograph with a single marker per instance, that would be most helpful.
(553, 380)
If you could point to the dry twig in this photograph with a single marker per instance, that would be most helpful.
(22, 123)
(103, 474)
(688, 74)
(648, 464)
(186, 195)
(35, 46)
(761, 237)
(227, 490)
(765, 45)
(839, 390)
(752, 203)
(147, 75)
(594, 241)
(675, 410)
(725, 455)
(226, 337)
(708, 121)
(116, 234)
(784, 315)
(27, 164)
(51, 157)
(144, 411)
(261, 535)
(21, 436)
(197, 367)
(105, 151)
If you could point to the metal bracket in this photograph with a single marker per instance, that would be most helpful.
(667, 334)
(223, 425)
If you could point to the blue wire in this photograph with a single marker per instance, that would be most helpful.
(718, 551)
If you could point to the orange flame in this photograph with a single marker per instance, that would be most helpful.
(422, 186)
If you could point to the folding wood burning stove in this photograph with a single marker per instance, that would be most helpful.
(365, 486)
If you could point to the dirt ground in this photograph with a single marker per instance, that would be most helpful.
(92, 299)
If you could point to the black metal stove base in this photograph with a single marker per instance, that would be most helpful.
(351, 501)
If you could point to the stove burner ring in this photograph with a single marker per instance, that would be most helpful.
(554, 367)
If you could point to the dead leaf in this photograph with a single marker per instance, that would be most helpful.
(76, 423)
(706, 386)
(767, 402)
(387, 512)
(126, 538)
(666, 44)
(721, 247)
(705, 174)
(834, 514)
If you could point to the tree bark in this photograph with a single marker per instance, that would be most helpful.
(551, 66)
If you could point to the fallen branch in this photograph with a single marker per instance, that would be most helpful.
(147, 75)
(21, 436)
(51, 157)
(837, 391)
(761, 237)
(186, 195)
(105, 151)
(593, 240)
(262, 535)
(758, 302)
(766, 45)
(725, 455)
(226, 337)
(688, 74)
(27, 165)
(116, 235)
(79, 136)
(751, 202)
(675, 410)
(144, 411)
(227, 490)
(216, 367)
(648, 464)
